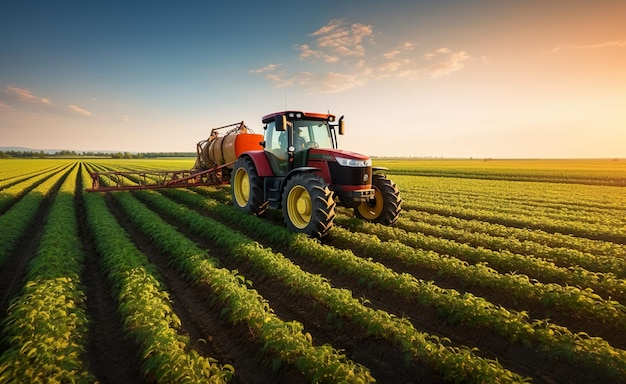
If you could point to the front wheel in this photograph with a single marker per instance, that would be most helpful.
(247, 187)
(308, 205)
(386, 205)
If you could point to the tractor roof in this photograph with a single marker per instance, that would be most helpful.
(299, 115)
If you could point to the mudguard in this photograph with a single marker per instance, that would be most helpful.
(261, 162)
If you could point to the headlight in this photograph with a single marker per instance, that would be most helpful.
(353, 162)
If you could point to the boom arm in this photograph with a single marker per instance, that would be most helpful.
(160, 179)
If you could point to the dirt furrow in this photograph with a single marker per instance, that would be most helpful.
(112, 357)
(516, 357)
(612, 333)
(209, 334)
(385, 361)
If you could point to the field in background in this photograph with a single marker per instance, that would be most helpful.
(591, 171)
(497, 270)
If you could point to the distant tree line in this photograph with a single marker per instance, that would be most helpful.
(115, 155)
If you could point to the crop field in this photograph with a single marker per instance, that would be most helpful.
(497, 271)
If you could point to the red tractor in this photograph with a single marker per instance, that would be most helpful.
(301, 171)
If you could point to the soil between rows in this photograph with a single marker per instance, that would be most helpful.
(384, 360)
(611, 332)
(112, 357)
(516, 357)
(209, 335)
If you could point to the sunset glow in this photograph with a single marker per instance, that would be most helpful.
(413, 78)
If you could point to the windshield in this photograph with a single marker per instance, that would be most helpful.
(314, 133)
(307, 134)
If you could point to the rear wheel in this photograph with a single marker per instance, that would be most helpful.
(386, 205)
(308, 205)
(247, 187)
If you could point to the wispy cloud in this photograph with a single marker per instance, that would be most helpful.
(21, 95)
(341, 56)
(447, 61)
(21, 99)
(607, 44)
(336, 41)
(79, 110)
(267, 68)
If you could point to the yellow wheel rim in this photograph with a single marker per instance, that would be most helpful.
(299, 207)
(371, 209)
(241, 187)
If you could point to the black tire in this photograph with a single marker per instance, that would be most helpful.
(247, 187)
(386, 205)
(308, 205)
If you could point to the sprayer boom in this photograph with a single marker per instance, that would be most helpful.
(131, 180)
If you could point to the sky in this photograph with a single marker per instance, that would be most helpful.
(459, 79)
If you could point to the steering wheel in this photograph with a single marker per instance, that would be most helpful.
(312, 144)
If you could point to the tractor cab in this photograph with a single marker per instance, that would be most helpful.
(290, 135)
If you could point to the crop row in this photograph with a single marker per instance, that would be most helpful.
(515, 193)
(569, 298)
(46, 326)
(521, 219)
(144, 304)
(12, 171)
(553, 201)
(454, 363)
(556, 341)
(577, 337)
(580, 223)
(433, 253)
(563, 250)
(286, 340)
(12, 193)
(16, 220)
(497, 195)
(550, 295)
(591, 172)
(339, 301)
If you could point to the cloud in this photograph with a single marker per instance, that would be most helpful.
(22, 95)
(79, 110)
(343, 41)
(340, 56)
(607, 44)
(326, 82)
(23, 101)
(601, 45)
(335, 41)
(449, 61)
(267, 68)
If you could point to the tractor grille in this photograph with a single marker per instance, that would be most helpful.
(350, 176)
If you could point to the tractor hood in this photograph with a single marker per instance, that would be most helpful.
(343, 157)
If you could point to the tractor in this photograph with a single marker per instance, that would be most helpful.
(295, 167)
(301, 171)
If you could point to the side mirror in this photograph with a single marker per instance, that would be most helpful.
(281, 123)
(342, 126)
